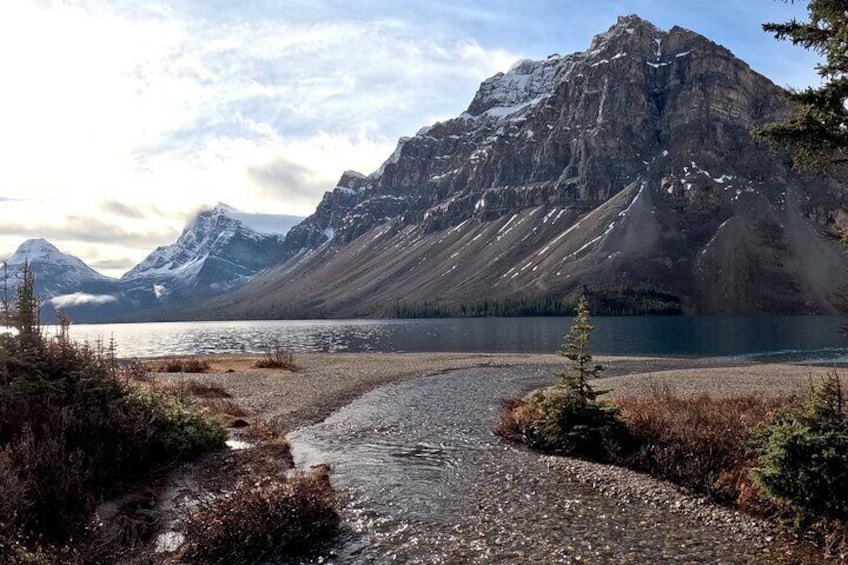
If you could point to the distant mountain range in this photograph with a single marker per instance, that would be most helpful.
(219, 249)
(626, 172)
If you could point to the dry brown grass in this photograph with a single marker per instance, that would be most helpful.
(192, 364)
(195, 388)
(242, 363)
(276, 357)
(516, 418)
(265, 517)
(698, 441)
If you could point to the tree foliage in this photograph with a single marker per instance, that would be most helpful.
(568, 418)
(804, 453)
(575, 348)
(817, 129)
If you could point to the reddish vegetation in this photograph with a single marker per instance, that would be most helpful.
(261, 519)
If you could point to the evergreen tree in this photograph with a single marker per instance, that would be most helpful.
(817, 129)
(575, 348)
(26, 313)
(572, 421)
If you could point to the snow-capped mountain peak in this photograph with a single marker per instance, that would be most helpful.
(34, 250)
(218, 248)
(40, 254)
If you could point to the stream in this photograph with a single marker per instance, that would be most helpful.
(426, 481)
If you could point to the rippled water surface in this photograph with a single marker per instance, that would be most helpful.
(773, 337)
(429, 483)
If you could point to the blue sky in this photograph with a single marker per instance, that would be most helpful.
(123, 118)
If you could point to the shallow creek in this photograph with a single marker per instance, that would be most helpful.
(426, 481)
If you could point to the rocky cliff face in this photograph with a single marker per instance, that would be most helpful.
(626, 171)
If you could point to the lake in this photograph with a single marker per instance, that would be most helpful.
(784, 338)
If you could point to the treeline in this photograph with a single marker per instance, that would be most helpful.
(625, 302)
(631, 302)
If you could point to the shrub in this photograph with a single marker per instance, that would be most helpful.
(516, 419)
(571, 424)
(804, 453)
(176, 365)
(197, 389)
(195, 365)
(74, 428)
(276, 357)
(171, 366)
(174, 430)
(262, 518)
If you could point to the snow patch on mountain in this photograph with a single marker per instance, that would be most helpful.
(529, 83)
(275, 224)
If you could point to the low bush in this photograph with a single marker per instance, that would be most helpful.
(261, 519)
(174, 430)
(804, 454)
(516, 418)
(177, 365)
(195, 389)
(276, 356)
(559, 420)
(74, 428)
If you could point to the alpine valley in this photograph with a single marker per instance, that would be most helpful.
(626, 172)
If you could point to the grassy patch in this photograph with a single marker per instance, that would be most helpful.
(196, 389)
(700, 441)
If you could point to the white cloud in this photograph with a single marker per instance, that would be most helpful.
(79, 299)
(166, 107)
(163, 111)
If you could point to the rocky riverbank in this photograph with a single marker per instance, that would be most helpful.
(325, 382)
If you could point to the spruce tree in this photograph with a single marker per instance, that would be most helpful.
(817, 129)
(575, 348)
(572, 421)
(26, 312)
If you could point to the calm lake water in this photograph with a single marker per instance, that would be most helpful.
(793, 338)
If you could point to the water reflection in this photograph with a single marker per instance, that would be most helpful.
(779, 337)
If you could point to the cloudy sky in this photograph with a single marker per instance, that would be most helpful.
(120, 119)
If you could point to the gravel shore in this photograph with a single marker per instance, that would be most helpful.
(325, 382)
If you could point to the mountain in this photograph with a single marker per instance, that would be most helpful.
(626, 172)
(62, 280)
(219, 249)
